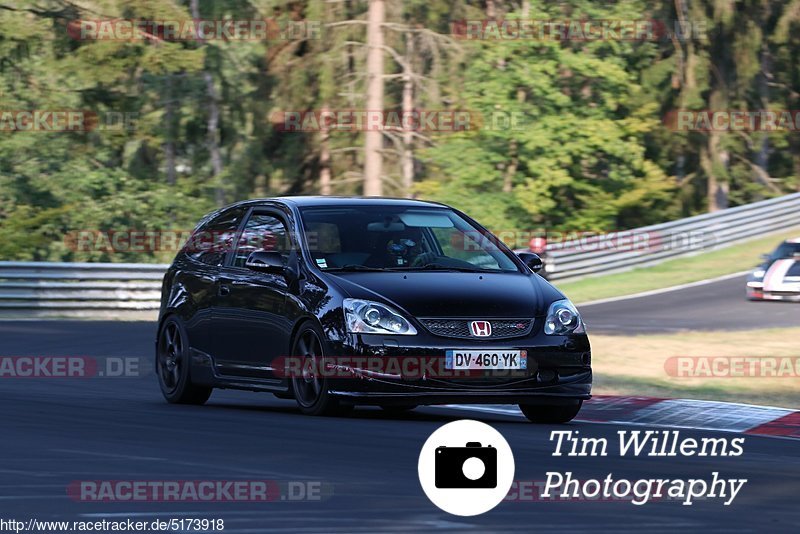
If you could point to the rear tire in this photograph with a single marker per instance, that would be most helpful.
(310, 390)
(173, 366)
(552, 414)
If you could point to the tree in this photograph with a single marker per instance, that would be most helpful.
(576, 159)
(373, 138)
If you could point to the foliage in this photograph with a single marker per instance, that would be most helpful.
(589, 149)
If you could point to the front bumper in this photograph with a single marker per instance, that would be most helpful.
(558, 371)
(756, 292)
(564, 391)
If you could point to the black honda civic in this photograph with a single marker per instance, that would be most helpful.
(337, 302)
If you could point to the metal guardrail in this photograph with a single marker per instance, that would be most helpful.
(98, 290)
(131, 290)
(649, 245)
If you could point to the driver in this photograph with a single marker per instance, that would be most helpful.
(398, 249)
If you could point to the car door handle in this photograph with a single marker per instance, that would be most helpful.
(224, 291)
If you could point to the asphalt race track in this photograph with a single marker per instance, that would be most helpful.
(715, 306)
(56, 431)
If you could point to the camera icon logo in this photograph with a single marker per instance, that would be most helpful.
(472, 466)
(466, 467)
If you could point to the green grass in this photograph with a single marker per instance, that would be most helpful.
(637, 365)
(674, 272)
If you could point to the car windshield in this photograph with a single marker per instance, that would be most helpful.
(367, 238)
(786, 250)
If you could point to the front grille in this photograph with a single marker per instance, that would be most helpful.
(459, 328)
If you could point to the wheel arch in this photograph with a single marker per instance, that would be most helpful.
(299, 324)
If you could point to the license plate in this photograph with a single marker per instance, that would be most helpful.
(486, 359)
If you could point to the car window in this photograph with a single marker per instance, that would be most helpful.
(794, 270)
(324, 237)
(399, 237)
(261, 232)
(467, 246)
(786, 250)
(211, 242)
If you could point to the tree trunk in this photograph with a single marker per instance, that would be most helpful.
(407, 162)
(713, 160)
(373, 139)
(213, 120)
(794, 150)
(762, 156)
(325, 158)
(513, 151)
(525, 10)
(722, 68)
(169, 148)
(511, 170)
(169, 144)
(491, 9)
(213, 135)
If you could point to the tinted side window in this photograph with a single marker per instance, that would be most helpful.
(211, 242)
(794, 270)
(786, 250)
(262, 232)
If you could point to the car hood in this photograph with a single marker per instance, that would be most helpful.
(446, 294)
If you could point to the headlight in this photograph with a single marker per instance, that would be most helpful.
(759, 273)
(367, 317)
(563, 318)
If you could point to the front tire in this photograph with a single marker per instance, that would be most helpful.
(543, 414)
(173, 366)
(311, 391)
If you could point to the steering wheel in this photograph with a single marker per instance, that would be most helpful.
(424, 259)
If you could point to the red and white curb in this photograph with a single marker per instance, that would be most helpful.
(678, 413)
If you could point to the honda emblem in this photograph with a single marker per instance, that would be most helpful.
(480, 328)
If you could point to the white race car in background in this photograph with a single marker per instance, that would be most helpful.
(778, 278)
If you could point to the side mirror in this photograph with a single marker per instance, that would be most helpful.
(266, 261)
(765, 257)
(533, 261)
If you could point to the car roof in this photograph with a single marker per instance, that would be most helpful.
(795, 241)
(327, 201)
